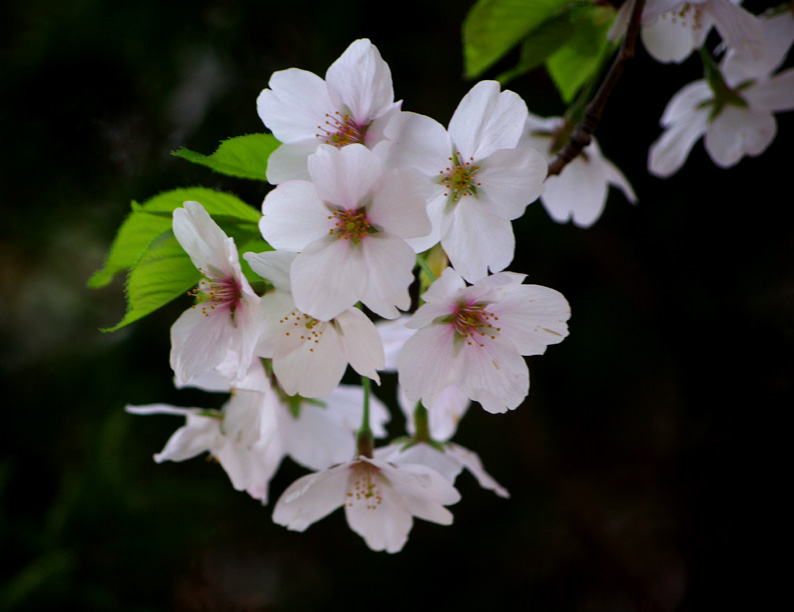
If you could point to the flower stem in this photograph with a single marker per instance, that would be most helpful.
(421, 424)
(364, 439)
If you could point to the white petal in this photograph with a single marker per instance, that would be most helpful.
(311, 498)
(487, 120)
(290, 161)
(398, 204)
(389, 264)
(774, 95)
(360, 81)
(319, 438)
(669, 152)
(199, 342)
(344, 177)
(739, 28)
(295, 105)
(737, 132)
(471, 461)
(511, 179)
(361, 343)
(273, 266)
(293, 216)
(428, 363)
(494, 374)
(209, 248)
(533, 317)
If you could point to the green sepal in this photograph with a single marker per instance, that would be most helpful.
(242, 156)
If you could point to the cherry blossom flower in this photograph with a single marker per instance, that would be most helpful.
(579, 192)
(672, 29)
(380, 500)
(349, 226)
(352, 105)
(242, 436)
(481, 175)
(474, 337)
(735, 112)
(310, 356)
(226, 317)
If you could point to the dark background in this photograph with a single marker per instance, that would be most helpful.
(644, 465)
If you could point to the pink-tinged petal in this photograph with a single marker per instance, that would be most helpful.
(199, 434)
(293, 216)
(316, 366)
(738, 28)
(290, 161)
(389, 263)
(328, 277)
(344, 177)
(295, 105)
(374, 510)
(376, 132)
(311, 498)
(739, 64)
(737, 132)
(669, 152)
(393, 334)
(280, 317)
(532, 317)
(209, 248)
(360, 82)
(471, 461)
(511, 179)
(494, 374)
(428, 363)
(248, 323)
(442, 290)
(199, 342)
(475, 240)
(419, 142)
(487, 120)
(421, 454)
(398, 204)
(774, 95)
(361, 343)
(273, 266)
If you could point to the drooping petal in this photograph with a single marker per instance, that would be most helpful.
(774, 95)
(471, 461)
(669, 152)
(311, 498)
(737, 132)
(209, 248)
(199, 342)
(318, 438)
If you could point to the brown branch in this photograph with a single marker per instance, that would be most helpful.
(583, 133)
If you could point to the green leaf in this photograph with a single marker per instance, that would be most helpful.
(243, 156)
(163, 273)
(150, 220)
(493, 27)
(582, 57)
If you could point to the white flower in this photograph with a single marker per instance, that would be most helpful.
(579, 192)
(243, 437)
(673, 29)
(738, 119)
(380, 500)
(474, 337)
(311, 356)
(352, 105)
(226, 317)
(349, 226)
(482, 176)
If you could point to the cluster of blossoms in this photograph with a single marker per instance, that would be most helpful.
(364, 193)
(733, 107)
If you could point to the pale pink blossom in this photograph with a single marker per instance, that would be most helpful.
(380, 500)
(226, 317)
(579, 192)
(481, 175)
(349, 227)
(474, 337)
(352, 105)
(311, 356)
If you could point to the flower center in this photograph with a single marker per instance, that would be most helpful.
(351, 225)
(363, 486)
(215, 293)
(687, 15)
(458, 178)
(473, 324)
(340, 130)
(304, 327)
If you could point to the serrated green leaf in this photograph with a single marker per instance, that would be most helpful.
(149, 220)
(493, 27)
(163, 273)
(582, 57)
(243, 156)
